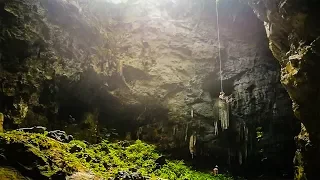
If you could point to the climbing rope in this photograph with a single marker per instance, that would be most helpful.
(219, 45)
(223, 101)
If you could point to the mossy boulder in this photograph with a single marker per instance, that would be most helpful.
(37, 155)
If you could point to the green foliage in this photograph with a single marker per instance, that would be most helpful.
(104, 159)
(48, 155)
(178, 170)
(299, 173)
(7, 173)
(299, 168)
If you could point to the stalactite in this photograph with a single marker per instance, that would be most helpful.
(216, 131)
(243, 139)
(224, 114)
(174, 130)
(186, 133)
(246, 142)
(240, 158)
(274, 109)
(191, 113)
(192, 144)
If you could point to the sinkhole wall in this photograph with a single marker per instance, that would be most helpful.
(293, 33)
(136, 70)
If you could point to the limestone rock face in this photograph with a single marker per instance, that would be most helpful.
(147, 70)
(293, 32)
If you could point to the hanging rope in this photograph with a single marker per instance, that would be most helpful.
(219, 45)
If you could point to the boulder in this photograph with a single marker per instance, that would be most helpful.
(129, 176)
(83, 176)
(35, 129)
(60, 136)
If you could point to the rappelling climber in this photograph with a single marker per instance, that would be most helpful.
(222, 96)
(223, 104)
(225, 98)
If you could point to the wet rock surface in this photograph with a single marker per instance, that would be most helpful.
(60, 136)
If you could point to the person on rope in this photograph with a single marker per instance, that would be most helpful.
(225, 98)
(222, 96)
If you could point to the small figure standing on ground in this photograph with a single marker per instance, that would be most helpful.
(215, 170)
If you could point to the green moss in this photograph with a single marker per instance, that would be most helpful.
(299, 160)
(7, 173)
(105, 159)
(48, 155)
(177, 170)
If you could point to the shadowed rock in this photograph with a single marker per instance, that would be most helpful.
(60, 136)
(36, 129)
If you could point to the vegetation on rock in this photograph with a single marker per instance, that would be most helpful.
(37, 156)
(7, 173)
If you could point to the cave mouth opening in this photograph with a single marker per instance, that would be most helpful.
(125, 120)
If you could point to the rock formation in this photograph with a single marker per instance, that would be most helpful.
(293, 32)
(139, 70)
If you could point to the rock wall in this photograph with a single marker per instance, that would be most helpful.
(293, 34)
(139, 69)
